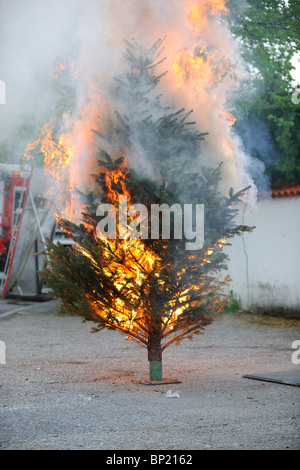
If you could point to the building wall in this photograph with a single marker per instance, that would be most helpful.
(265, 264)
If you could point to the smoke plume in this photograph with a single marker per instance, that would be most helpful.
(202, 59)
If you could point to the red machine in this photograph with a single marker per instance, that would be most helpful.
(14, 188)
(26, 221)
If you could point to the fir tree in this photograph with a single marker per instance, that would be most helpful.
(153, 290)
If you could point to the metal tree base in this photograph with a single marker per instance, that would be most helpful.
(155, 371)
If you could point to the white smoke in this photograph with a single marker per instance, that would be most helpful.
(34, 34)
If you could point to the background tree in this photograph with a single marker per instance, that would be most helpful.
(267, 119)
(153, 290)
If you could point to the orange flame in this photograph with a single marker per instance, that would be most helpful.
(228, 117)
(201, 12)
(202, 67)
(67, 159)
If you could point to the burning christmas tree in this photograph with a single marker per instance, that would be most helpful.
(148, 250)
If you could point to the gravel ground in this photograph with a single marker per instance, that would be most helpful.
(65, 388)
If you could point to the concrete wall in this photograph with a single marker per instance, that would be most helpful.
(265, 264)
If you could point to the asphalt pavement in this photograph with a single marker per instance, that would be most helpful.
(65, 388)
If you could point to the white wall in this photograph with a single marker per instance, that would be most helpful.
(265, 264)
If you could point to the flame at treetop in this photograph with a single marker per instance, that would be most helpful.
(201, 65)
(200, 13)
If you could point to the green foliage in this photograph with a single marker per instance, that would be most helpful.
(267, 119)
(233, 303)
